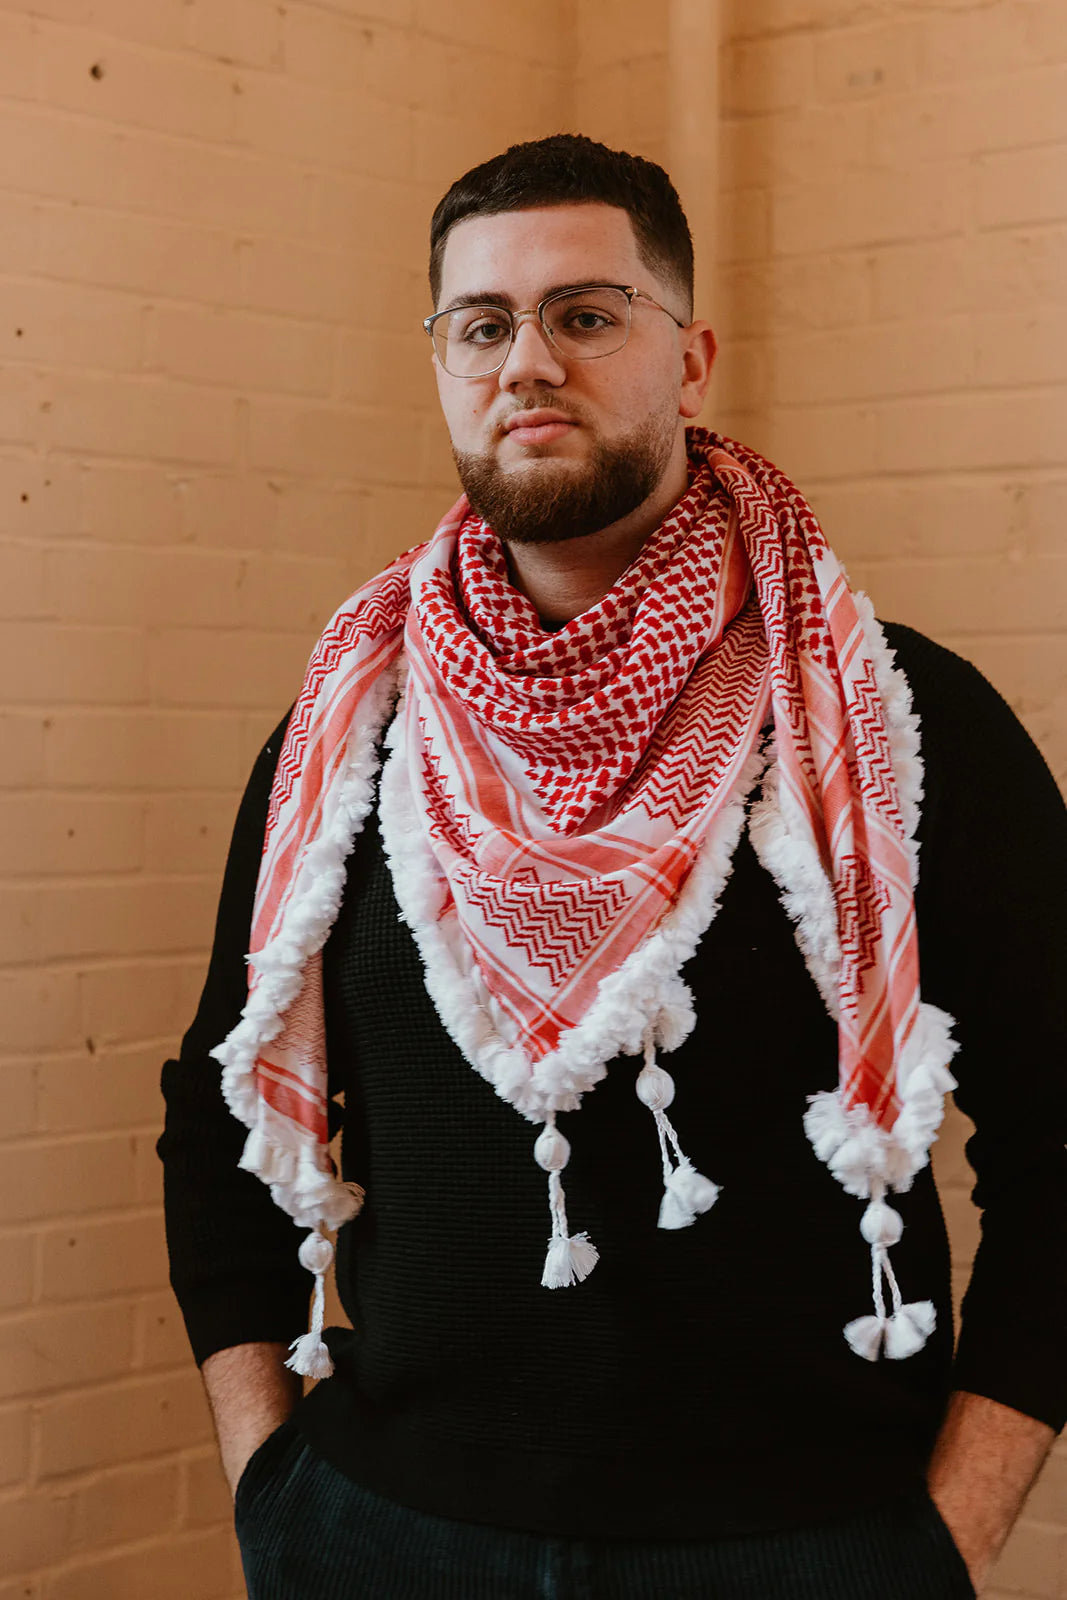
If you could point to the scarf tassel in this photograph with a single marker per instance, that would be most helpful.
(687, 1194)
(906, 1329)
(310, 1357)
(569, 1260)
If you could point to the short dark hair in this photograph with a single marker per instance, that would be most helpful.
(569, 169)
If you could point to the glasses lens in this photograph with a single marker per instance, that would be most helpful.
(584, 323)
(473, 340)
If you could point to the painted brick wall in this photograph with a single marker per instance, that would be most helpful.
(210, 248)
(216, 416)
(893, 300)
(621, 75)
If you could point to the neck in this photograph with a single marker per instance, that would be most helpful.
(565, 578)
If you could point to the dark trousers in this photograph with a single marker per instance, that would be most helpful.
(308, 1533)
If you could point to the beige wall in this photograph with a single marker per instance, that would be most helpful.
(892, 296)
(216, 416)
(895, 303)
(212, 424)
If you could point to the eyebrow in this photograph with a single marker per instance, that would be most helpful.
(491, 297)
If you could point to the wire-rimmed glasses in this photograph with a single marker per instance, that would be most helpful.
(580, 323)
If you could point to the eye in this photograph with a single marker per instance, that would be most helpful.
(586, 319)
(594, 318)
(481, 329)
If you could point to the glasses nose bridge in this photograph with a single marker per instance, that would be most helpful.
(531, 314)
(535, 315)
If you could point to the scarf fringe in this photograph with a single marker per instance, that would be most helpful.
(806, 893)
(645, 992)
(303, 1189)
(865, 1158)
(858, 1152)
(290, 1159)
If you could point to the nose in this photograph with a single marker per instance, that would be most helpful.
(532, 359)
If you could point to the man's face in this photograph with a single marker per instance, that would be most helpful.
(596, 437)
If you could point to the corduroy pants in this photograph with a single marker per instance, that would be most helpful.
(308, 1533)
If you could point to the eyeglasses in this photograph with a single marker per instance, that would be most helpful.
(582, 324)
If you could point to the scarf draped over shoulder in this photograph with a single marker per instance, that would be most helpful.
(560, 812)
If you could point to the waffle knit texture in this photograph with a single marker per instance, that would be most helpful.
(707, 1361)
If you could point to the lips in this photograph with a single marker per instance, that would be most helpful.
(537, 427)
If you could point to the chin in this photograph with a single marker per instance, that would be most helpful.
(544, 495)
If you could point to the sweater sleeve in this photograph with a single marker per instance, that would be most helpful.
(233, 1253)
(992, 912)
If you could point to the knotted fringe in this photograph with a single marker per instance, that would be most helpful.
(858, 1152)
(298, 1184)
(310, 1357)
(568, 1261)
(907, 1329)
(297, 1168)
(288, 1158)
(866, 1160)
(687, 1194)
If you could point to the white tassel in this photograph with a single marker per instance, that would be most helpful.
(310, 1357)
(907, 1329)
(568, 1260)
(673, 1213)
(692, 1188)
(687, 1194)
(865, 1336)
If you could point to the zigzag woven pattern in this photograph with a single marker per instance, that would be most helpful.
(553, 923)
(565, 783)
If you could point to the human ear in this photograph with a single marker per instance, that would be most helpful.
(698, 358)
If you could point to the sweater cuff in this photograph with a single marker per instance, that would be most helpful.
(244, 1311)
(1017, 1367)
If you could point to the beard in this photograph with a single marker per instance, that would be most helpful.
(556, 500)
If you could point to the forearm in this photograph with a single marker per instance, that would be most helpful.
(251, 1392)
(984, 1462)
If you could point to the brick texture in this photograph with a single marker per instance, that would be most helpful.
(217, 416)
(895, 180)
(892, 272)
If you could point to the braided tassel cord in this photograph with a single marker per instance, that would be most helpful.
(569, 1260)
(907, 1328)
(310, 1357)
(687, 1194)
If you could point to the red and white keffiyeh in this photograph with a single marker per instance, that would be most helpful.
(560, 812)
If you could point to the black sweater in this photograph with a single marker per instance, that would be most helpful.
(698, 1382)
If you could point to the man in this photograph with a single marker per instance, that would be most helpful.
(580, 855)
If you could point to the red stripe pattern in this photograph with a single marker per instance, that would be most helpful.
(565, 783)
